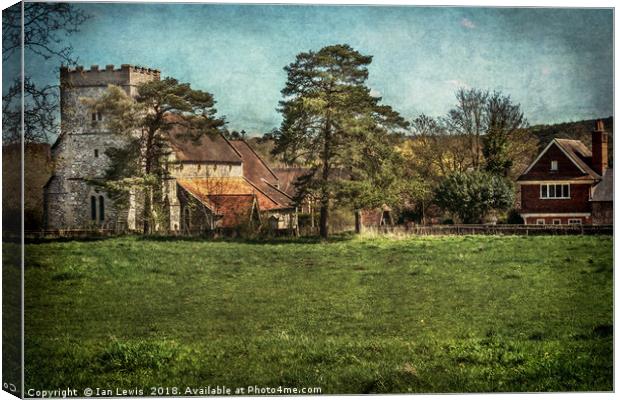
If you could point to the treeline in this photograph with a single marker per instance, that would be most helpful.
(578, 130)
(460, 167)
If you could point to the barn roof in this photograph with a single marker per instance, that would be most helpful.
(604, 191)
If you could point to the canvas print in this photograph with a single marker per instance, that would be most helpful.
(254, 199)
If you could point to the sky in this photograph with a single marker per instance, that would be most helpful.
(556, 63)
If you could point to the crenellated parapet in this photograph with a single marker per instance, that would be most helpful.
(95, 76)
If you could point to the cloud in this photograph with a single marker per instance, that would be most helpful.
(375, 93)
(468, 23)
(546, 70)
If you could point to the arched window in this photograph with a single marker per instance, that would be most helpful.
(101, 209)
(93, 208)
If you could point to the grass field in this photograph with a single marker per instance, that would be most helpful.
(432, 314)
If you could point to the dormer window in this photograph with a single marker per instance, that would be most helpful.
(554, 165)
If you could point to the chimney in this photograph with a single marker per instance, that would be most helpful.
(599, 148)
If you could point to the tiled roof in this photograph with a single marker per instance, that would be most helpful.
(195, 146)
(260, 175)
(204, 188)
(604, 191)
(235, 210)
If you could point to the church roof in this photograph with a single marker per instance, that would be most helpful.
(195, 146)
(235, 210)
(259, 174)
(287, 178)
(205, 188)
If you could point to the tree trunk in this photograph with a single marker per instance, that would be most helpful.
(324, 217)
(358, 221)
(323, 222)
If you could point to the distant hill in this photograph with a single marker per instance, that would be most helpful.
(579, 130)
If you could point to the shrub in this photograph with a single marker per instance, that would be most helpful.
(514, 217)
(472, 195)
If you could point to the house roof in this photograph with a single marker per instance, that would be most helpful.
(576, 151)
(604, 190)
(205, 188)
(259, 174)
(195, 146)
(579, 154)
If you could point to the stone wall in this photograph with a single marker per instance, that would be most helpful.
(204, 170)
(79, 156)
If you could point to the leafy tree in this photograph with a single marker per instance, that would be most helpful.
(332, 123)
(502, 119)
(235, 135)
(146, 121)
(472, 195)
(45, 27)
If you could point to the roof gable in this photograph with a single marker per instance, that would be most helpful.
(572, 157)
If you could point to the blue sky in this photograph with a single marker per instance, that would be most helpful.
(557, 63)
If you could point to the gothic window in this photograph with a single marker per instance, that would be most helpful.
(101, 209)
(93, 208)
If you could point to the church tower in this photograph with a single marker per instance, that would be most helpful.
(78, 155)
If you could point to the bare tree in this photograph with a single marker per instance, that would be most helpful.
(467, 119)
(46, 26)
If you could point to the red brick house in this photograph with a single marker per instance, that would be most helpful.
(558, 186)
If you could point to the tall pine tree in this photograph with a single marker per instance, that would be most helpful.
(146, 121)
(336, 127)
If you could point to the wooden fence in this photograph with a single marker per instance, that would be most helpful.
(493, 230)
(412, 230)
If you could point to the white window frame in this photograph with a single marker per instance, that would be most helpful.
(549, 185)
(574, 221)
(540, 221)
(557, 221)
(554, 165)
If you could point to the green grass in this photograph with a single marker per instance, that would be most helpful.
(432, 314)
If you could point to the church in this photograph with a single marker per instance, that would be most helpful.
(213, 184)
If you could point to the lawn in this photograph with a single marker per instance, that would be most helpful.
(355, 315)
